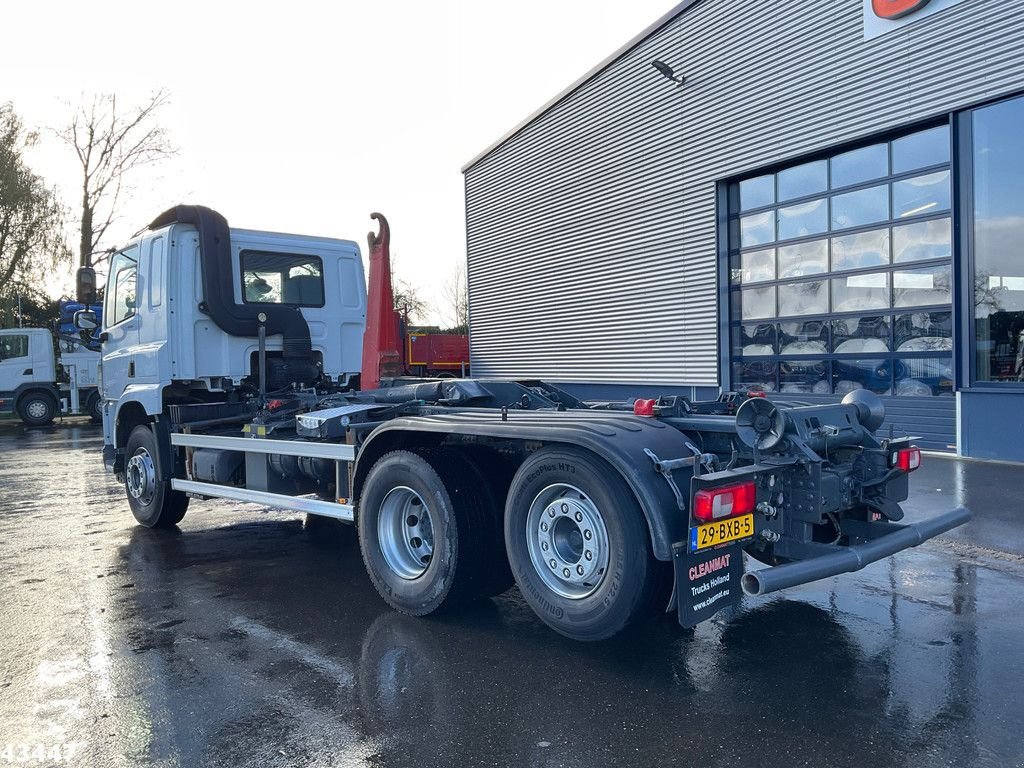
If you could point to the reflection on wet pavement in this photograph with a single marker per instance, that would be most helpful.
(247, 639)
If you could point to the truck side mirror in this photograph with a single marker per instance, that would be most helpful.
(85, 320)
(85, 283)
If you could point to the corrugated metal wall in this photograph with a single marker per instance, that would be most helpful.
(575, 240)
(591, 231)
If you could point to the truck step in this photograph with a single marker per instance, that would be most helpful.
(311, 505)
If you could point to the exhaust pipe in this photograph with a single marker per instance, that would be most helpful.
(219, 286)
(853, 558)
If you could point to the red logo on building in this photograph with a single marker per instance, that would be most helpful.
(896, 9)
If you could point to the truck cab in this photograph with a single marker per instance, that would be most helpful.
(182, 318)
(38, 386)
(28, 369)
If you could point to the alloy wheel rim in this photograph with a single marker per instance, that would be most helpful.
(140, 476)
(406, 532)
(567, 541)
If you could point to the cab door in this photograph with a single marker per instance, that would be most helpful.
(15, 364)
(120, 323)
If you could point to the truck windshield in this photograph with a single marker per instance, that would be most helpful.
(282, 278)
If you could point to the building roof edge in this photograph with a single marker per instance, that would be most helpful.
(651, 29)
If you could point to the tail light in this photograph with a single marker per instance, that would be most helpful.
(907, 459)
(726, 501)
(644, 407)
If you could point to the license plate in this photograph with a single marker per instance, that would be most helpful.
(721, 532)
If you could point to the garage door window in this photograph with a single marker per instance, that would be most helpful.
(840, 274)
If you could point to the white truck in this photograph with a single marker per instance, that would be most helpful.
(38, 383)
(235, 366)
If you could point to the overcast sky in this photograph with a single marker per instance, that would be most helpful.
(304, 117)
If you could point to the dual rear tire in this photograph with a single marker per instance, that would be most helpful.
(428, 532)
(431, 535)
(579, 546)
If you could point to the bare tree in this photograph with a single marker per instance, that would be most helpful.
(407, 297)
(31, 218)
(455, 293)
(111, 142)
(409, 302)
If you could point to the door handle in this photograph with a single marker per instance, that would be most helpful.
(27, 372)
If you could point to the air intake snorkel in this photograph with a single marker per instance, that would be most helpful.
(219, 286)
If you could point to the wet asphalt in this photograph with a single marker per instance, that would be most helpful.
(249, 639)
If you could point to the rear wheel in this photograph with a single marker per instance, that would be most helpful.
(423, 531)
(37, 409)
(153, 502)
(578, 544)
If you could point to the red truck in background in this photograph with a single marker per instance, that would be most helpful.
(429, 354)
(393, 348)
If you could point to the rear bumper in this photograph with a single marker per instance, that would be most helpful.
(884, 539)
(712, 579)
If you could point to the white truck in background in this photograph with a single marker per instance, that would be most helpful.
(38, 383)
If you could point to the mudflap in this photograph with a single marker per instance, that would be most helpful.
(706, 581)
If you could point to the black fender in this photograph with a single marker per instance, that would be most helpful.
(618, 438)
(168, 463)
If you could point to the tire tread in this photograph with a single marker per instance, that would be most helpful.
(175, 503)
(643, 585)
(28, 397)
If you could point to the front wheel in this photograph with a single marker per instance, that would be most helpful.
(578, 544)
(37, 409)
(153, 502)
